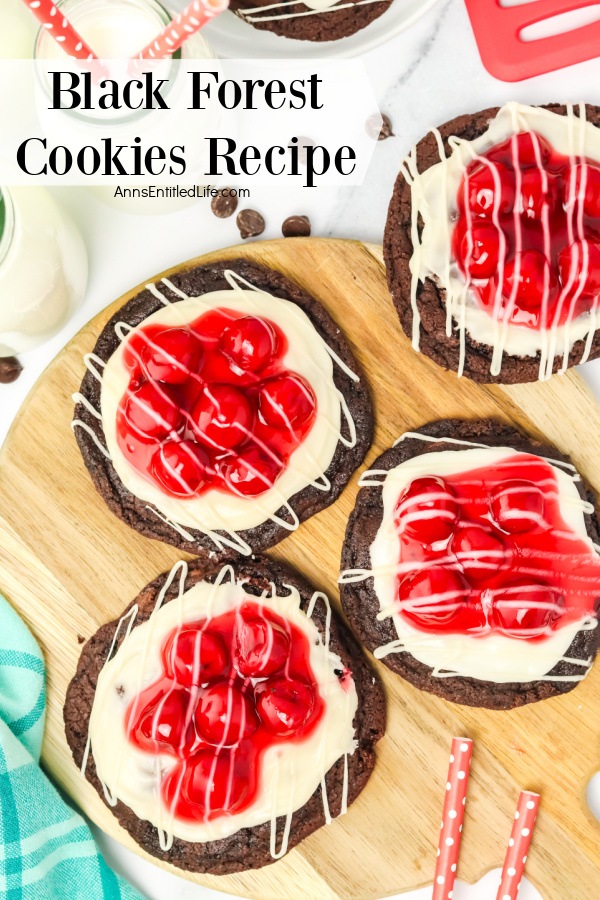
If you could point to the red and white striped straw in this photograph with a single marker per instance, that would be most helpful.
(518, 846)
(452, 818)
(192, 19)
(51, 18)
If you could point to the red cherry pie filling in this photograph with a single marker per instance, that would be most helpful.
(488, 550)
(212, 405)
(527, 236)
(231, 687)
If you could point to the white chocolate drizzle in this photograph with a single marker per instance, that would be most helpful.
(93, 364)
(433, 203)
(130, 618)
(319, 595)
(382, 571)
(254, 13)
(163, 818)
(278, 854)
(222, 537)
(446, 439)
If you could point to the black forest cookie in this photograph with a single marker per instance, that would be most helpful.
(225, 717)
(492, 242)
(313, 20)
(471, 566)
(221, 408)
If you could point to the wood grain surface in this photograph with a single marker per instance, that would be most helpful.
(68, 566)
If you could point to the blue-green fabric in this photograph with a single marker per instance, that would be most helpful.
(46, 849)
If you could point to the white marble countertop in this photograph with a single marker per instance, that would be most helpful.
(422, 77)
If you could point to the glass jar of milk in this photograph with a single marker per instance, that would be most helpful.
(119, 29)
(43, 268)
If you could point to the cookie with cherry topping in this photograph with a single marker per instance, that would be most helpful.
(471, 577)
(169, 427)
(281, 707)
(568, 284)
(296, 20)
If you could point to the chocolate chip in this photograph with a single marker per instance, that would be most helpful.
(10, 369)
(379, 127)
(296, 226)
(250, 223)
(224, 204)
(80, 639)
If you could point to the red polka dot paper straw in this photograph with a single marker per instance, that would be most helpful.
(452, 818)
(60, 29)
(192, 19)
(518, 846)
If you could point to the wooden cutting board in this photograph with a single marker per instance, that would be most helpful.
(68, 566)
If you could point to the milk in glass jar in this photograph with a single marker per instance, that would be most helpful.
(43, 268)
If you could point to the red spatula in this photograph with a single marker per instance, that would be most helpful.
(508, 57)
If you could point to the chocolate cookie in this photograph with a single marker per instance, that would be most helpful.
(431, 296)
(137, 506)
(486, 565)
(247, 847)
(295, 20)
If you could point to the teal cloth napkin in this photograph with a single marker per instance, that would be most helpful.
(46, 849)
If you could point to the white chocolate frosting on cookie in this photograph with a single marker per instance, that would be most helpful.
(290, 771)
(434, 194)
(219, 511)
(494, 656)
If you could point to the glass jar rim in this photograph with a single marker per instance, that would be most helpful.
(161, 10)
(6, 234)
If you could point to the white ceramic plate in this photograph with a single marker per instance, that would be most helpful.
(231, 38)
